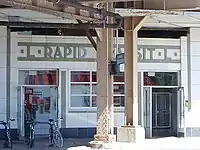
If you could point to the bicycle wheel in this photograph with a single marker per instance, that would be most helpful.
(9, 141)
(31, 140)
(57, 139)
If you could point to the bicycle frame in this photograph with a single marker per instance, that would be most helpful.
(31, 135)
(52, 129)
(8, 141)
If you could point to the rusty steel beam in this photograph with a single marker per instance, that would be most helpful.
(101, 12)
(57, 8)
(103, 1)
(56, 25)
(47, 8)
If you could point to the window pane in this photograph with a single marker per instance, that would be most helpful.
(119, 77)
(161, 79)
(94, 101)
(118, 89)
(119, 101)
(41, 77)
(80, 101)
(80, 76)
(94, 89)
(94, 77)
(80, 89)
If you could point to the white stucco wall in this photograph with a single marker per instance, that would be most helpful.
(194, 81)
(86, 118)
(3, 50)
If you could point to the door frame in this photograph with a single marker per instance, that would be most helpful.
(147, 104)
(150, 90)
(181, 112)
(21, 91)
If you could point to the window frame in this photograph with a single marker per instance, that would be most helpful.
(91, 83)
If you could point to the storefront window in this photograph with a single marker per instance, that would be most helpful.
(77, 76)
(118, 89)
(38, 77)
(94, 101)
(84, 89)
(94, 89)
(161, 78)
(119, 101)
(94, 77)
(80, 88)
(80, 101)
(119, 77)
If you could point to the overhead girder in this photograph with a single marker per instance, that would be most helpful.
(23, 24)
(103, 1)
(158, 4)
(68, 10)
(172, 4)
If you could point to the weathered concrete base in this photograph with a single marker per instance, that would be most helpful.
(130, 134)
(102, 141)
(107, 138)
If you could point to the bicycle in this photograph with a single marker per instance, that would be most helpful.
(8, 141)
(55, 136)
(31, 136)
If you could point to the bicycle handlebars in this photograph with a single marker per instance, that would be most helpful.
(40, 122)
(4, 122)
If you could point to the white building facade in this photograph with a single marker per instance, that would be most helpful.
(56, 75)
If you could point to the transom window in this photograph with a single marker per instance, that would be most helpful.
(160, 79)
(38, 77)
(84, 89)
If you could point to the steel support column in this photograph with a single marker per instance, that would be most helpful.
(131, 132)
(104, 85)
(131, 25)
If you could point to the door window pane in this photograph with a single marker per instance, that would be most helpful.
(80, 88)
(80, 76)
(80, 101)
(38, 77)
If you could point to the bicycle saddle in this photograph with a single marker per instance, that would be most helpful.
(50, 120)
(29, 121)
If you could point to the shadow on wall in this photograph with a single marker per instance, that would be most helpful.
(80, 132)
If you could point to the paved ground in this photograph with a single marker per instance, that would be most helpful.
(42, 144)
(171, 143)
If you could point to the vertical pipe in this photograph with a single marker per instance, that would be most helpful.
(8, 69)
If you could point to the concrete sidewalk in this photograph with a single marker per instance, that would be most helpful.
(169, 143)
(42, 144)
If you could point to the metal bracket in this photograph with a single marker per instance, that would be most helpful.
(89, 36)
